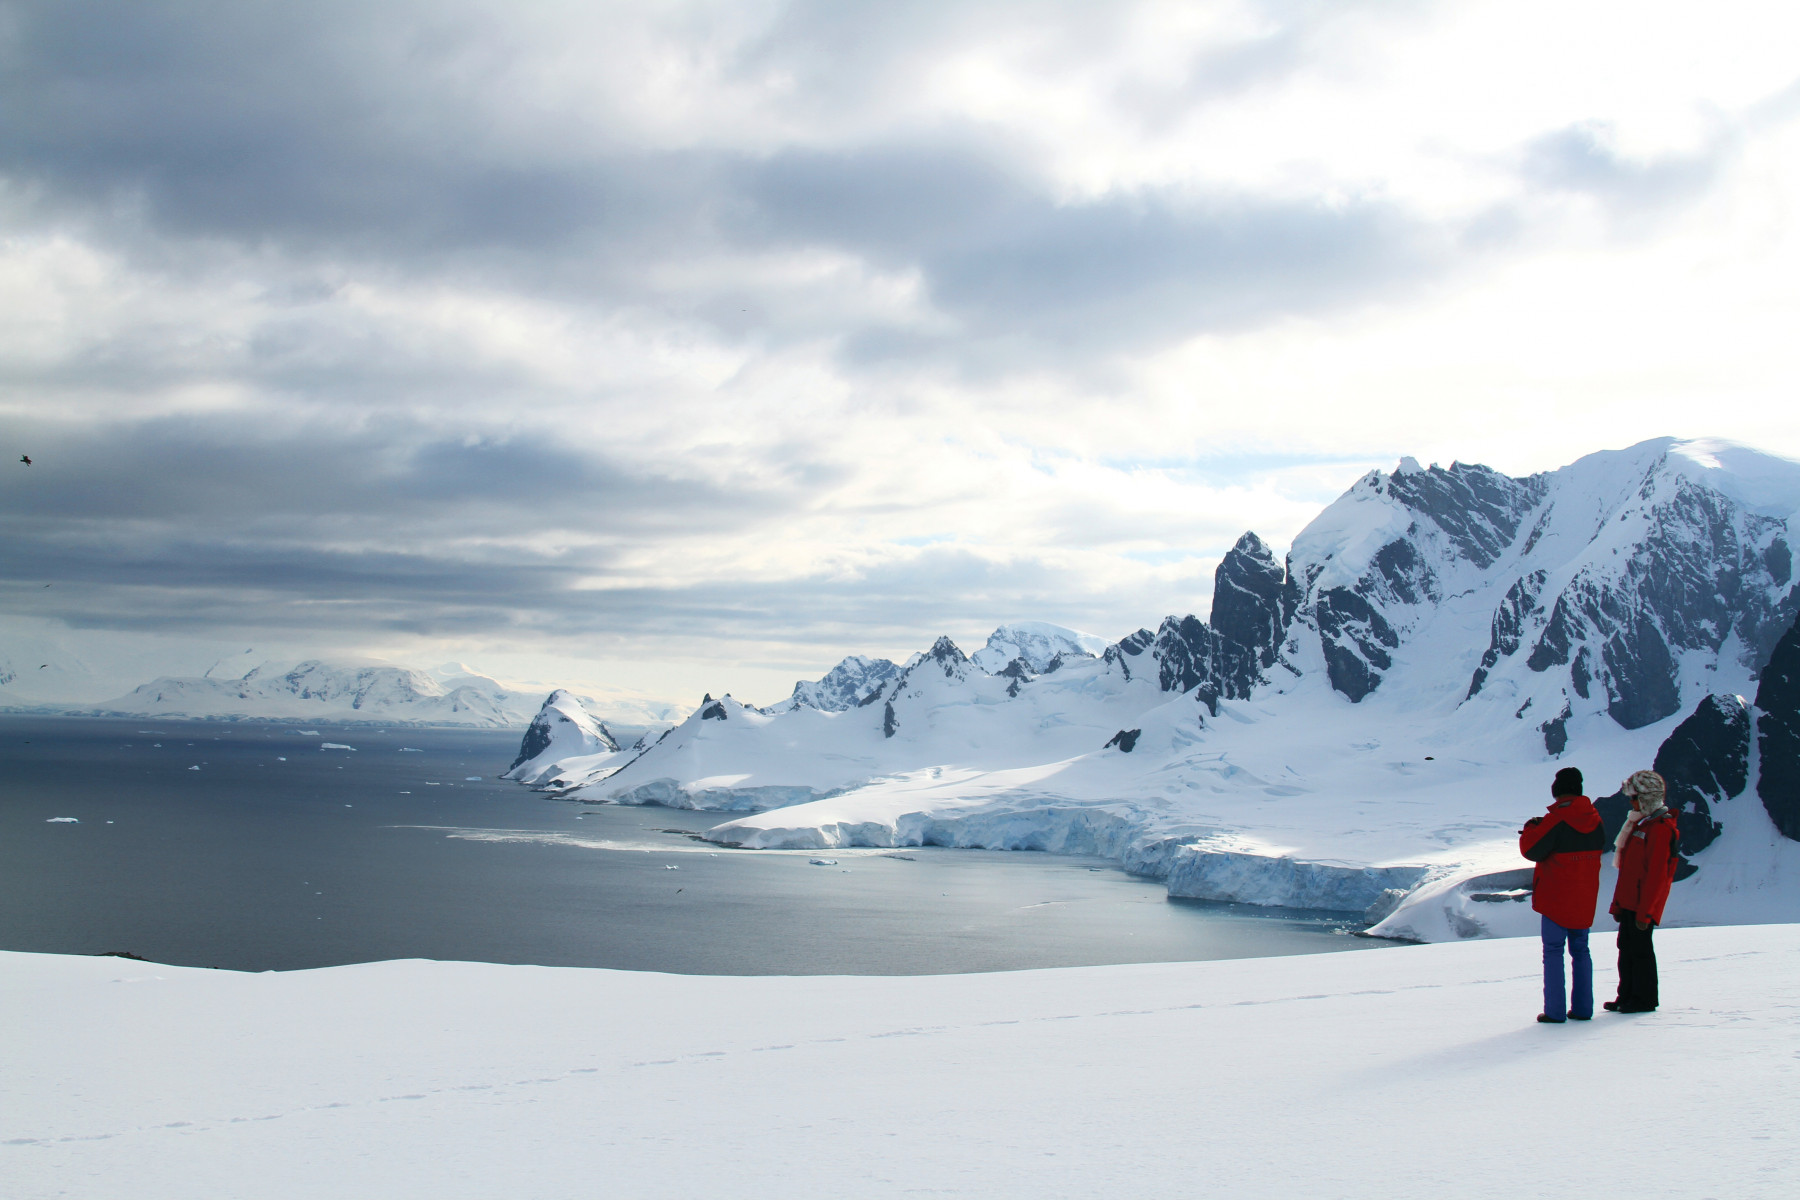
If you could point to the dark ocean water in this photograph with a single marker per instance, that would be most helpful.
(278, 854)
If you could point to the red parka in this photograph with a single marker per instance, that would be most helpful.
(1647, 867)
(1565, 843)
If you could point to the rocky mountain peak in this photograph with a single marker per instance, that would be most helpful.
(1038, 643)
(851, 683)
(1253, 599)
(562, 728)
(945, 653)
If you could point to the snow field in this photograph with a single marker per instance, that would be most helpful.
(1414, 1072)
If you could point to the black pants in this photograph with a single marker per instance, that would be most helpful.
(1637, 965)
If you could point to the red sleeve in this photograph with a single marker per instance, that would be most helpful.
(1659, 868)
(1532, 834)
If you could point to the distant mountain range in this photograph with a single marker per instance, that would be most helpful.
(1364, 723)
(343, 693)
(318, 690)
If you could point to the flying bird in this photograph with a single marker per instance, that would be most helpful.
(26, 459)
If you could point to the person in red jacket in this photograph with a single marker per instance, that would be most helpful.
(1566, 843)
(1646, 855)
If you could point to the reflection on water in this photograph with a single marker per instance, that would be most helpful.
(278, 854)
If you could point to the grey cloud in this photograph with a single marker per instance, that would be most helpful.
(229, 472)
(216, 585)
(336, 131)
(213, 525)
(1126, 270)
(278, 150)
(1578, 159)
(325, 126)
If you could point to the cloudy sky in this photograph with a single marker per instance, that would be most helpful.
(693, 345)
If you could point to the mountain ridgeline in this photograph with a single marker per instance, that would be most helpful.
(1611, 578)
(1435, 606)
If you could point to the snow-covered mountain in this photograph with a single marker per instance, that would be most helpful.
(1038, 646)
(565, 744)
(1366, 723)
(846, 685)
(337, 692)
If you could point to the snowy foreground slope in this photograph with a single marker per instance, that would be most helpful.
(1415, 1072)
(1364, 725)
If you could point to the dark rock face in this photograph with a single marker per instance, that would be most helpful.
(1190, 653)
(1356, 640)
(1477, 507)
(945, 654)
(1705, 760)
(1254, 602)
(1642, 685)
(1704, 570)
(538, 733)
(1019, 672)
(849, 684)
(537, 739)
(1778, 735)
(1508, 626)
(1125, 740)
(1477, 510)
(1125, 652)
(1778, 561)
(713, 711)
(888, 723)
(1556, 732)
(1253, 599)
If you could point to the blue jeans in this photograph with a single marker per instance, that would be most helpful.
(1556, 1006)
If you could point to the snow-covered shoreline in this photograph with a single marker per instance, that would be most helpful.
(1412, 1072)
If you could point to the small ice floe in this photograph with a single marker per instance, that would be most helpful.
(822, 862)
(280, 758)
(335, 746)
(193, 768)
(411, 750)
(307, 732)
(62, 820)
(471, 779)
(433, 783)
(406, 793)
(670, 867)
